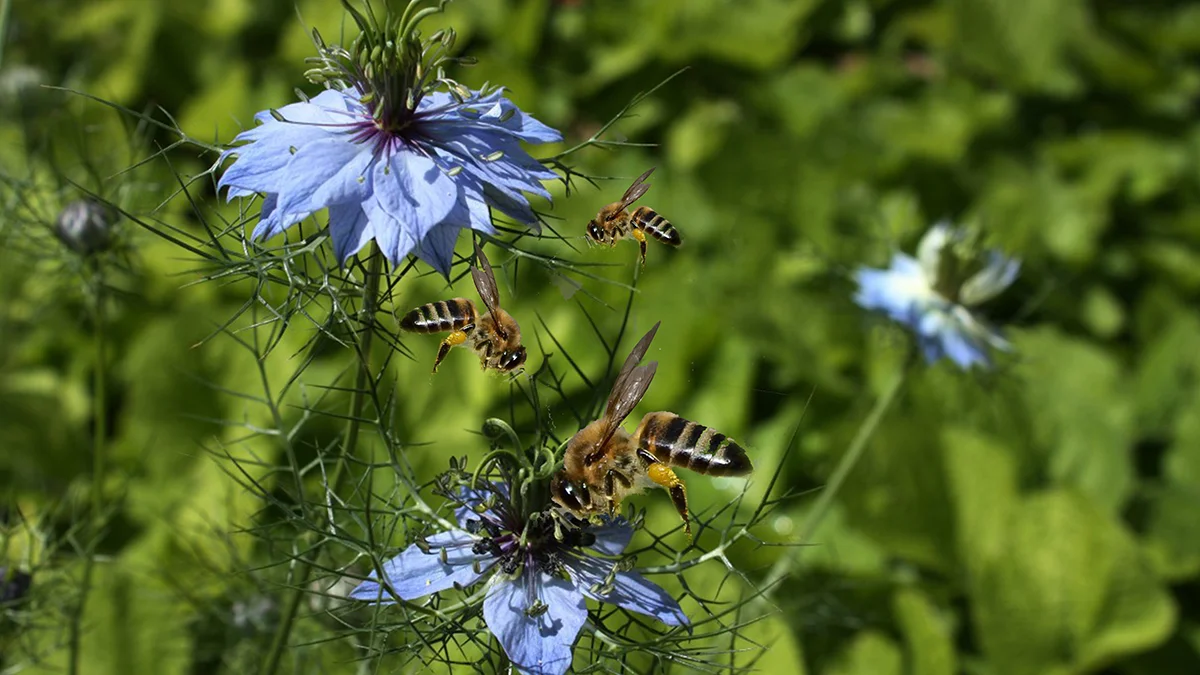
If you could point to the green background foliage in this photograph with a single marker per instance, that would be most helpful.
(1040, 518)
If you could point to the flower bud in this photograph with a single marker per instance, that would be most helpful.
(86, 226)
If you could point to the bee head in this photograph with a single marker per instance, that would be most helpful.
(570, 495)
(513, 359)
(595, 232)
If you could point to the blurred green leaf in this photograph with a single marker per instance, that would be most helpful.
(897, 494)
(1022, 42)
(869, 653)
(1077, 596)
(699, 133)
(1081, 416)
(929, 639)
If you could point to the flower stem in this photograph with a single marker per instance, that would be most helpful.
(370, 305)
(857, 448)
(99, 432)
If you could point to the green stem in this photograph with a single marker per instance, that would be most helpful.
(4, 6)
(370, 306)
(858, 447)
(99, 431)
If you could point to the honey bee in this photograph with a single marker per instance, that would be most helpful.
(495, 336)
(603, 463)
(614, 222)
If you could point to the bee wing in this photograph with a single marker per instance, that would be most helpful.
(485, 281)
(631, 383)
(637, 189)
(624, 399)
(627, 392)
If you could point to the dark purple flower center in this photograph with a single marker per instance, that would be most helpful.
(387, 132)
(546, 547)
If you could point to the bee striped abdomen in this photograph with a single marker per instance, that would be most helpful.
(656, 226)
(441, 316)
(676, 441)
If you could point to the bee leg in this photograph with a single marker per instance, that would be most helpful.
(610, 489)
(452, 340)
(641, 239)
(663, 475)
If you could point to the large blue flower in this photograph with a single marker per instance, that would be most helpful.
(409, 179)
(536, 589)
(924, 295)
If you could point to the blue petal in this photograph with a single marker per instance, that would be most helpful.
(492, 111)
(270, 223)
(907, 266)
(235, 191)
(473, 498)
(416, 194)
(506, 114)
(931, 349)
(437, 248)
(480, 215)
(269, 203)
(260, 165)
(414, 574)
(893, 291)
(350, 229)
(321, 173)
(962, 350)
(330, 107)
(930, 321)
(394, 239)
(515, 207)
(513, 170)
(872, 288)
(629, 590)
(471, 210)
(613, 536)
(542, 644)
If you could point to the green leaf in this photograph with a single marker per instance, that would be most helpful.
(1021, 42)
(928, 633)
(982, 477)
(1168, 369)
(1043, 210)
(870, 653)
(699, 133)
(1102, 312)
(1081, 414)
(786, 654)
(897, 495)
(1172, 531)
(1070, 592)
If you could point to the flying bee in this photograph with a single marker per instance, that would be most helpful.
(614, 222)
(603, 463)
(495, 335)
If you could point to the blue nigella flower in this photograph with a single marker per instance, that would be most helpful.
(537, 576)
(935, 293)
(393, 158)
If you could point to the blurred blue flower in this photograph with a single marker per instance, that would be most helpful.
(410, 184)
(935, 293)
(534, 603)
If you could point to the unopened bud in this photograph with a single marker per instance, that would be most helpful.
(86, 226)
(14, 585)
